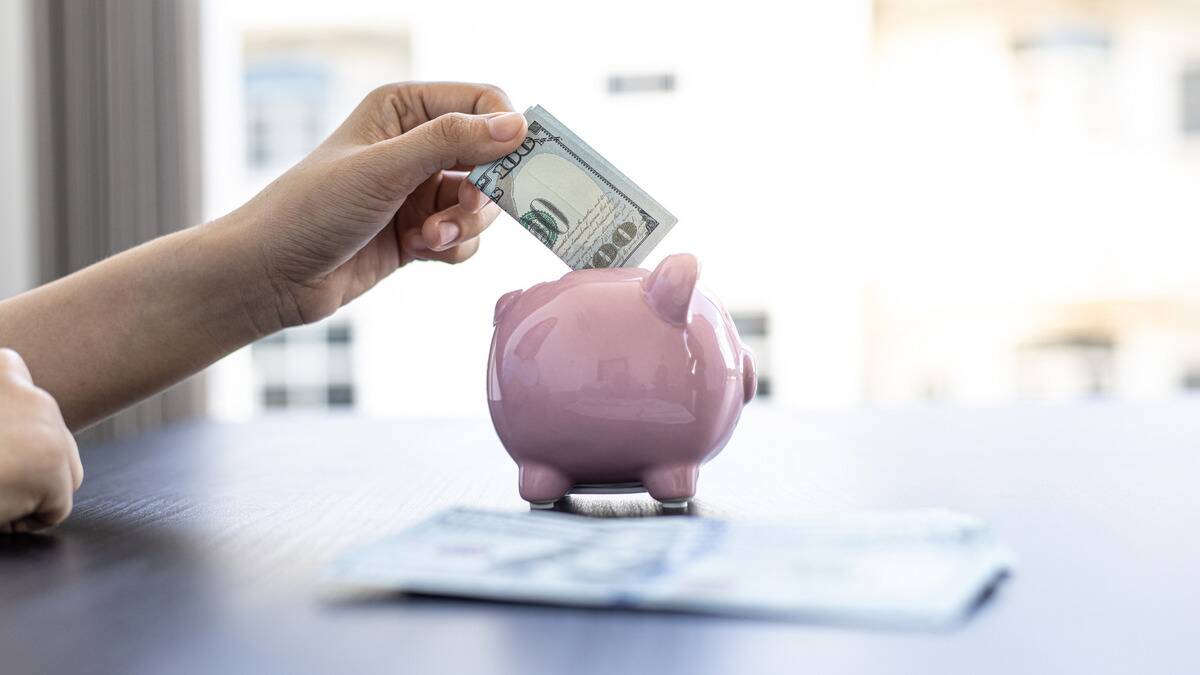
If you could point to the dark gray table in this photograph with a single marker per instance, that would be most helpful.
(196, 550)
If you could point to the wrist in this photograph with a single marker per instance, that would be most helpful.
(231, 249)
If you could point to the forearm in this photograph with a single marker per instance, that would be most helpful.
(379, 193)
(133, 324)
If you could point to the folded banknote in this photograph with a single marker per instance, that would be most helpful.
(572, 199)
(912, 569)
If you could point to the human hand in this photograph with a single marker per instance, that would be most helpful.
(39, 461)
(386, 188)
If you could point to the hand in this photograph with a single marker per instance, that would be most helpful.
(39, 461)
(385, 189)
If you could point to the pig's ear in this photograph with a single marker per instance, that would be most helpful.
(503, 304)
(669, 287)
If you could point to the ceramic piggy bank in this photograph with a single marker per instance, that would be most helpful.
(616, 380)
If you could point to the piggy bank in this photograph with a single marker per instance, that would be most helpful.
(616, 380)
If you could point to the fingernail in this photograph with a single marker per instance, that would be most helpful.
(505, 127)
(447, 233)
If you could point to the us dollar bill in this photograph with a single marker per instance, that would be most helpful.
(572, 199)
(904, 569)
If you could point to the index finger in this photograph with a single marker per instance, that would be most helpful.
(439, 98)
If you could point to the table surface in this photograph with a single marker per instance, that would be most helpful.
(197, 549)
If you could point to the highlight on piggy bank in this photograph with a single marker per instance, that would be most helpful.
(616, 380)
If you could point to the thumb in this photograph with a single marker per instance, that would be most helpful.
(447, 141)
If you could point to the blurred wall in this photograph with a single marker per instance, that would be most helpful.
(16, 194)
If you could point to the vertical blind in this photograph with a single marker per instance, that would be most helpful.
(118, 147)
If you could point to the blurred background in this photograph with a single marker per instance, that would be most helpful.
(902, 202)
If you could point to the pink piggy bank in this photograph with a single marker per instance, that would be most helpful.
(616, 380)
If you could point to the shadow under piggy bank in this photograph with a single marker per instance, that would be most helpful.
(616, 381)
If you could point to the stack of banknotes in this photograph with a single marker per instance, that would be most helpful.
(572, 199)
(910, 569)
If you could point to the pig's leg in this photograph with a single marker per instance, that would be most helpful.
(673, 485)
(541, 485)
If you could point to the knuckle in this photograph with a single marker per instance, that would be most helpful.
(42, 436)
(455, 127)
(494, 93)
(10, 362)
(35, 402)
(385, 111)
(41, 400)
(489, 88)
(384, 91)
(42, 397)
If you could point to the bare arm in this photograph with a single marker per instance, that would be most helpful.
(385, 189)
(129, 326)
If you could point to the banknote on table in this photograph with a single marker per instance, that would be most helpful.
(914, 569)
(569, 197)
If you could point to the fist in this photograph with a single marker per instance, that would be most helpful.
(39, 461)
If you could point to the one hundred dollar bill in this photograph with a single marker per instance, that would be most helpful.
(905, 569)
(571, 199)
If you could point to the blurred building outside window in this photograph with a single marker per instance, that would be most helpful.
(1189, 85)
(900, 201)
(286, 106)
(298, 82)
(306, 367)
(752, 328)
(1048, 132)
(634, 84)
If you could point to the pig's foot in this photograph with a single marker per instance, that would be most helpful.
(541, 485)
(673, 486)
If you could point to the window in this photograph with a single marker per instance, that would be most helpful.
(306, 367)
(285, 111)
(1070, 366)
(752, 327)
(1190, 381)
(629, 84)
(1190, 100)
